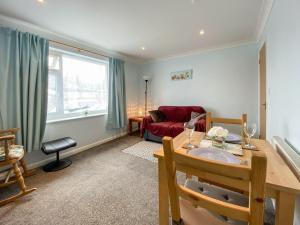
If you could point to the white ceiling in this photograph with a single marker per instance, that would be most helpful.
(165, 27)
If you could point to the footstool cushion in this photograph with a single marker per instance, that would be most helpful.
(58, 145)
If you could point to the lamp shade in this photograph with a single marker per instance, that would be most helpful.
(146, 78)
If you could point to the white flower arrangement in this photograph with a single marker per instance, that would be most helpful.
(217, 132)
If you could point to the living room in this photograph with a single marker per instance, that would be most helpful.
(92, 141)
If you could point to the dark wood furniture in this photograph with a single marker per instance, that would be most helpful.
(135, 119)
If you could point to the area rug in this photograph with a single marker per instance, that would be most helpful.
(144, 150)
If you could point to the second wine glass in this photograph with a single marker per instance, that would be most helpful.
(189, 129)
(250, 130)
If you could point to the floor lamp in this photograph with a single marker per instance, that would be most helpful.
(146, 79)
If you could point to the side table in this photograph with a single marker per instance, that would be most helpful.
(135, 119)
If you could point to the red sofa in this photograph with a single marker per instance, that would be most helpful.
(175, 116)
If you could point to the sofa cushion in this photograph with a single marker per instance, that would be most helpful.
(169, 112)
(157, 116)
(171, 129)
(180, 113)
(197, 116)
(175, 116)
(176, 129)
(161, 129)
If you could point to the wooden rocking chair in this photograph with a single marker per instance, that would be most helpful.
(12, 155)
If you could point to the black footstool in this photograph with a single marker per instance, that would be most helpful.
(56, 146)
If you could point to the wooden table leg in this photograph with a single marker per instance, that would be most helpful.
(130, 126)
(163, 194)
(285, 207)
(139, 127)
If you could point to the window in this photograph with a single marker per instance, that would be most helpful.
(77, 85)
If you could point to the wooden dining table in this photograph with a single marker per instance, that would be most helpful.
(281, 183)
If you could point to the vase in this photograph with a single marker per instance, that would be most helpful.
(218, 142)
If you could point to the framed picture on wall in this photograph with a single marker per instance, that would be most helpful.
(182, 75)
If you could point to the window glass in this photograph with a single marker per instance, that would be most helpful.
(54, 62)
(52, 93)
(77, 85)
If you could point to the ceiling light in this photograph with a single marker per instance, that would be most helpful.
(143, 48)
(202, 32)
(41, 1)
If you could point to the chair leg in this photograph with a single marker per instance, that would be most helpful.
(19, 177)
(21, 183)
(27, 172)
(8, 175)
(15, 197)
(188, 176)
(7, 180)
(177, 223)
(8, 183)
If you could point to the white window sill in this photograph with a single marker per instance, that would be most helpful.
(74, 118)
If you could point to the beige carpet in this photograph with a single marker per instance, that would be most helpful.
(103, 186)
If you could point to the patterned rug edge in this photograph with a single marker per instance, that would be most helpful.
(143, 150)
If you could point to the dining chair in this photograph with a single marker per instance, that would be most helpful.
(190, 203)
(211, 120)
(11, 156)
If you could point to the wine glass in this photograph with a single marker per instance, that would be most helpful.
(250, 130)
(189, 129)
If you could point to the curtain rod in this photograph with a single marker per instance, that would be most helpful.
(77, 48)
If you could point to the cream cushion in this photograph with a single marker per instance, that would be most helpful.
(15, 152)
(220, 194)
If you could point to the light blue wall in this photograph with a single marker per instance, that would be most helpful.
(224, 81)
(85, 131)
(282, 37)
(89, 130)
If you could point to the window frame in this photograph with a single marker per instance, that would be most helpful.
(60, 115)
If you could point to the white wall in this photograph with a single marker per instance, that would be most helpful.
(282, 37)
(224, 81)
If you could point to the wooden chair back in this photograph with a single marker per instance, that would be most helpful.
(7, 137)
(251, 180)
(210, 120)
(12, 131)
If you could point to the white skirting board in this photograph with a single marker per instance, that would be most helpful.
(69, 153)
(74, 151)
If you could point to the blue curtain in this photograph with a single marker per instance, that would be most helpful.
(23, 85)
(117, 115)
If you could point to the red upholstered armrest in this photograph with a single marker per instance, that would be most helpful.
(200, 125)
(147, 120)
